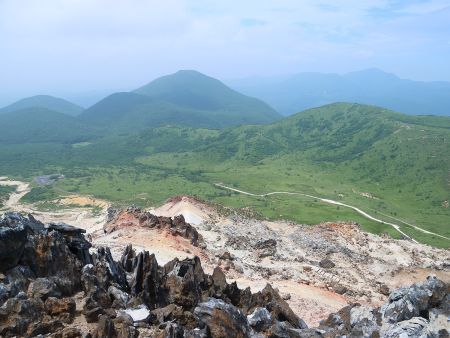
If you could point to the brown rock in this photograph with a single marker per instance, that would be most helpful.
(63, 308)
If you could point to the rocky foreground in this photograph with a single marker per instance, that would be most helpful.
(51, 285)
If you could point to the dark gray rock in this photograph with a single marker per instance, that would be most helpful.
(13, 237)
(411, 328)
(260, 319)
(327, 263)
(414, 301)
(266, 248)
(43, 288)
(222, 319)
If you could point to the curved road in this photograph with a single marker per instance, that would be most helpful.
(359, 211)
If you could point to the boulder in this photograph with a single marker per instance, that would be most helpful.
(414, 327)
(223, 320)
(279, 309)
(63, 308)
(75, 240)
(260, 319)
(69, 332)
(327, 263)
(184, 282)
(18, 314)
(43, 288)
(414, 301)
(266, 248)
(47, 255)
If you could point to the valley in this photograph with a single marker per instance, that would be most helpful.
(392, 166)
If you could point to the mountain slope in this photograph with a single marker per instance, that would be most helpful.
(39, 125)
(44, 101)
(186, 98)
(131, 112)
(306, 90)
(386, 163)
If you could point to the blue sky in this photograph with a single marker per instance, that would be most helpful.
(71, 47)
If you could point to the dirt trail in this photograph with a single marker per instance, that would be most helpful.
(78, 216)
(21, 190)
(361, 212)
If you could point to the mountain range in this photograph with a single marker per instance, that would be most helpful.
(46, 102)
(183, 133)
(291, 94)
(186, 98)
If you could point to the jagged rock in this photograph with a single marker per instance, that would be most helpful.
(13, 237)
(260, 319)
(413, 328)
(353, 320)
(43, 288)
(63, 308)
(17, 314)
(384, 289)
(278, 308)
(172, 330)
(127, 258)
(75, 240)
(92, 313)
(285, 330)
(167, 313)
(4, 293)
(134, 216)
(68, 332)
(100, 280)
(414, 301)
(219, 279)
(111, 214)
(327, 263)
(146, 280)
(438, 321)
(184, 281)
(120, 298)
(223, 320)
(266, 248)
(178, 299)
(105, 328)
(47, 255)
(44, 328)
(18, 279)
(118, 328)
(115, 272)
(226, 255)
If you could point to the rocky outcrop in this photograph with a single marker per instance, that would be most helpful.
(133, 216)
(135, 296)
(14, 229)
(415, 311)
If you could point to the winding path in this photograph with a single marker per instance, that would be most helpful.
(359, 211)
(77, 216)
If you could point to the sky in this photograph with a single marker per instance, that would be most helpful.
(83, 48)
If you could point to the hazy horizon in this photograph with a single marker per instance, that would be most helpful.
(73, 48)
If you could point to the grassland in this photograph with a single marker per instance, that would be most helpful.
(5, 191)
(387, 164)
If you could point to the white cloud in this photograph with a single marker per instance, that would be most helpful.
(86, 44)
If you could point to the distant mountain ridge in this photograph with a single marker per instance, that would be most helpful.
(186, 98)
(45, 102)
(40, 125)
(295, 93)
